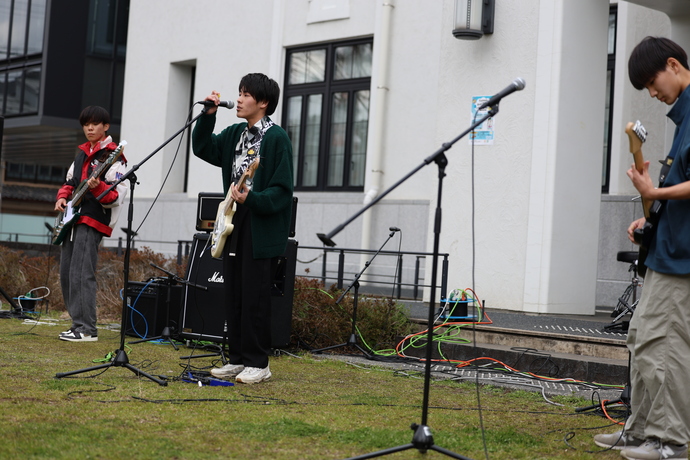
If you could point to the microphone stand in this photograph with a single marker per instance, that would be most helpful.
(422, 439)
(120, 355)
(352, 341)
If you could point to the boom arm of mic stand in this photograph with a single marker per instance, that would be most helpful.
(134, 168)
(327, 239)
(177, 279)
(366, 265)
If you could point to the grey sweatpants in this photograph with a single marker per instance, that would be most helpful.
(78, 277)
(659, 340)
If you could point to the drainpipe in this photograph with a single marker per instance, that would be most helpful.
(378, 108)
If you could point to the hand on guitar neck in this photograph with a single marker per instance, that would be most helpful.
(237, 194)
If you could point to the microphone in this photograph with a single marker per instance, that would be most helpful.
(394, 229)
(226, 104)
(517, 85)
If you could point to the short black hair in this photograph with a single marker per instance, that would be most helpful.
(94, 114)
(650, 57)
(263, 89)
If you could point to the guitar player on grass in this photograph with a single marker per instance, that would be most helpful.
(260, 223)
(659, 333)
(80, 247)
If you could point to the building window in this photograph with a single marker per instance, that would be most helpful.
(22, 23)
(608, 117)
(326, 113)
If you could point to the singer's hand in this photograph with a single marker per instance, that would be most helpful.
(239, 195)
(215, 98)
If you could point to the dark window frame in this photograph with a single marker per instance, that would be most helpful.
(326, 88)
(610, 67)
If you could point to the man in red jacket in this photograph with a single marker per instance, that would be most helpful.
(96, 218)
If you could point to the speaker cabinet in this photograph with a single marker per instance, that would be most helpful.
(146, 316)
(203, 311)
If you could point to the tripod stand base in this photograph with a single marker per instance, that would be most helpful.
(120, 360)
(351, 342)
(422, 440)
(166, 335)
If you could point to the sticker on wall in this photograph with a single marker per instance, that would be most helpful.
(484, 133)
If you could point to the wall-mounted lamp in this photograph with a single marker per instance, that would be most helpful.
(473, 19)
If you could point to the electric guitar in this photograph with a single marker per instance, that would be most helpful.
(226, 210)
(66, 219)
(637, 135)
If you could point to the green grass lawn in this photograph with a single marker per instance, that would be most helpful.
(313, 408)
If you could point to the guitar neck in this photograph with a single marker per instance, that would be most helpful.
(638, 159)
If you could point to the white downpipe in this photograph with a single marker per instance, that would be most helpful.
(378, 109)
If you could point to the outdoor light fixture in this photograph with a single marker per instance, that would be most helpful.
(473, 19)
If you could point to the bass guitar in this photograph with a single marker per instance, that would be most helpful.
(66, 219)
(226, 210)
(637, 135)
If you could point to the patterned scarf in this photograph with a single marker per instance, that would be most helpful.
(247, 149)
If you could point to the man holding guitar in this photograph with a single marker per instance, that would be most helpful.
(256, 162)
(659, 332)
(95, 219)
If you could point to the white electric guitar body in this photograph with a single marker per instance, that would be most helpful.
(223, 225)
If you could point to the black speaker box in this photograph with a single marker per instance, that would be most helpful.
(203, 311)
(146, 316)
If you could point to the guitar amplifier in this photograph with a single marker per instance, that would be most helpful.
(206, 210)
(203, 312)
(149, 310)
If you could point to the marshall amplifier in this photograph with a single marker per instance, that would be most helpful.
(206, 210)
(203, 312)
(148, 314)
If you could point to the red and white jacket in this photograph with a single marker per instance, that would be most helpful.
(101, 215)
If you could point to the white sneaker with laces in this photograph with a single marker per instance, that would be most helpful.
(618, 440)
(254, 375)
(76, 336)
(227, 371)
(653, 449)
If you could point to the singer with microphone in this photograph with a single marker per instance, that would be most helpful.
(260, 223)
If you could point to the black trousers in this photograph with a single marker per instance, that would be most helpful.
(248, 296)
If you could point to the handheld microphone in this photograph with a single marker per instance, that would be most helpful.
(226, 104)
(394, 229)
(517, 85)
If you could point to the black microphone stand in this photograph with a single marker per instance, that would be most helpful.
(352, 341)
(422, 439)
(120, 356)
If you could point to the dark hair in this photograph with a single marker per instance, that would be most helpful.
(94, 114)
(650, 57)
(262, 88)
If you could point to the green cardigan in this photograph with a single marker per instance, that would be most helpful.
(270, 200)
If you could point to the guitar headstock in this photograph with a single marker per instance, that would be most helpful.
(637, 134)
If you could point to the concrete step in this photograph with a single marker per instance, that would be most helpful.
(555, 346)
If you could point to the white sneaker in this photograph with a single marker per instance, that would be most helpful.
(653, 449)
(227, 371)
(618, 440)
(76, 336)
(254, 375)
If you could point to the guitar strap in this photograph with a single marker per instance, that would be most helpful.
(665, 168)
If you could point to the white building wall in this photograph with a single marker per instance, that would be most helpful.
(537, 189)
